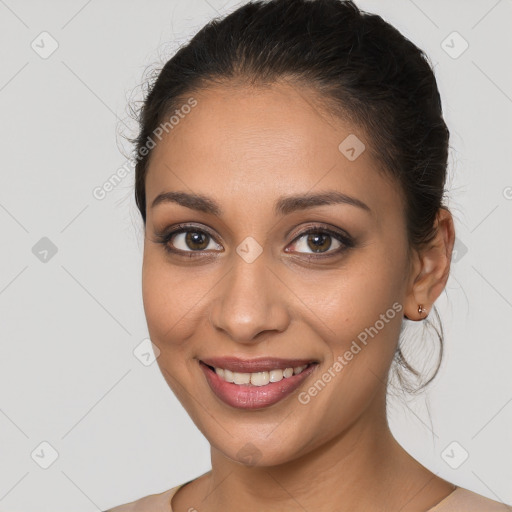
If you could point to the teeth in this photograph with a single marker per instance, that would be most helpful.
(288, 372)
(276, 375)
(258, 378)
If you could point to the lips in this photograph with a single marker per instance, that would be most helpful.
(249, 396)
(266, 364)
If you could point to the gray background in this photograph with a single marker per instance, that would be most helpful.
(70, 321)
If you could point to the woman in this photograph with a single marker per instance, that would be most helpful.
(291, 165)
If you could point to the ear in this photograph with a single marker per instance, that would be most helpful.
(430, 268)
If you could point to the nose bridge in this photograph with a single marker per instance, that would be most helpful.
(250, 300)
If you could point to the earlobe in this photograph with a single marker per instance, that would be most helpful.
(422, 311)
(431, 270)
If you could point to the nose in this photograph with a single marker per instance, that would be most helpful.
(250, 302)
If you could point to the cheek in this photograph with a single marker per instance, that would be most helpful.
(361, 325)
(353, 299)
(169, 316)
(161, 300)
(360, 317)
(364, 319)
(173, 298)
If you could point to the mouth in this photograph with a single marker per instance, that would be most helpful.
(253, 384)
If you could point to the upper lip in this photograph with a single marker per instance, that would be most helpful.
(263, 364)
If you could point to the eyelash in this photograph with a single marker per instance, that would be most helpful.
(165, 237)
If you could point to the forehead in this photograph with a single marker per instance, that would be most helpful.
(245, 146)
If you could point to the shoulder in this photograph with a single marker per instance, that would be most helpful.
(469, 501)
(160, 502)
(152, 503)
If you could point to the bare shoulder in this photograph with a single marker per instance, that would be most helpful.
(469, 501)
(152, 503)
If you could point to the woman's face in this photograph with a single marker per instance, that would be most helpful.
(247, 282)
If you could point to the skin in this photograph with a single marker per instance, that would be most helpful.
(246, 147)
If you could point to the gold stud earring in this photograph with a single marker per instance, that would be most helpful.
(421, 309)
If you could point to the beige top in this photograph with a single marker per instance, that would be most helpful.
(460, 500)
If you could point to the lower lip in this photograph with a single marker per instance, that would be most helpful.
(254, 397)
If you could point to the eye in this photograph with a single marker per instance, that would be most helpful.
(192, 241)
(319, 240)
(187, 240)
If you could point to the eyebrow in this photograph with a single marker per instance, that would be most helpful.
(283, 206)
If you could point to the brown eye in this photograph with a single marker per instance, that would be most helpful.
(316, 242)
(190, 240)
(321, 241)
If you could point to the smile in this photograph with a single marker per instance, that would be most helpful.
(258, 378)
(270, 381)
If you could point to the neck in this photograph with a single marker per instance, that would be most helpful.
(360, 468)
